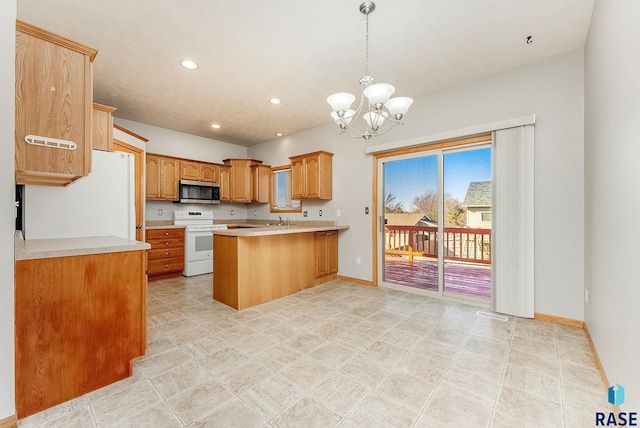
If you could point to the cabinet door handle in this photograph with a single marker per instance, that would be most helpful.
(166, 234)
(166, 266)
(166, 244)
(166, 253)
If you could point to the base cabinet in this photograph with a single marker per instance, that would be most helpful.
(166, 256)
(326, 253)
(79, 321)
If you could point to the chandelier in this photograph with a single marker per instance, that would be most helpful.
(382, 111)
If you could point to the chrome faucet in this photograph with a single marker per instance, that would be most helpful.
(280, 223)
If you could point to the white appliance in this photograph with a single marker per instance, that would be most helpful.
(198, 252)
(101, 204)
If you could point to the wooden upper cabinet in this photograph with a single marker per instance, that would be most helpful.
(102, 127)
(199, 171)
(210, 172)
(53, 100)
(189, 170)
(311, 176)
(241, 180)
(162, 177)
(260, 183)
(225, 183)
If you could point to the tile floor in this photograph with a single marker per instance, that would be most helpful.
(346, 355)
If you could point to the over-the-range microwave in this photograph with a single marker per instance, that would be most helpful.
(198, 192)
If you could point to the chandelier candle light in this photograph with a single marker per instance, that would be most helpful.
(381, 108)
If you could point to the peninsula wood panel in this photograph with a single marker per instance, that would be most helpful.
(79, 321)
(252, 270)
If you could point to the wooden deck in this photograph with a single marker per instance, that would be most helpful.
(464, 279)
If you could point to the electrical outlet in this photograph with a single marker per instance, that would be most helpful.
(255, 213)
(586, 295)
(159, 211)
(338, 213)
(358, 260)
(231, 212)
(320, 213)
(304, 213)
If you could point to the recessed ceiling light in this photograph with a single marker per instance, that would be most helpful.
(215, 126)
(279, 134)
(186, 63)
(275, 101)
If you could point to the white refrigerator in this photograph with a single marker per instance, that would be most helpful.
(101, 204)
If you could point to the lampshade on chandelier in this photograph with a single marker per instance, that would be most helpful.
(381, 112)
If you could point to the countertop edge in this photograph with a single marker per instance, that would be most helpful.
(276, 230)
(66, 247)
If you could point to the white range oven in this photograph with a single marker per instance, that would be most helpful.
(198, 252)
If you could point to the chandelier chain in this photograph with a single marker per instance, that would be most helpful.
(366, 67)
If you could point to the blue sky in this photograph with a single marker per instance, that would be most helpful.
(409, 178)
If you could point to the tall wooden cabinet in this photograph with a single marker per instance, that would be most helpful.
(53, 101)
(311, 176)
(162, 178)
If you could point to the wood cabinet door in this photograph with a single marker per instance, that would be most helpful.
(297, 179)
(260, 183)
(241, 181)
(169, 173)
(225, 183)
(209, 172)
(189, 170)
(332, 251)
(52, 99)
(153, 177)
(322, 240)
(312, 172)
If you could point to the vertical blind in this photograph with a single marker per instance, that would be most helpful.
(513, 223)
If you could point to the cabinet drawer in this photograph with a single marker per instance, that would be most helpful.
(165, 266)
(157, 244)
(166, 253)
(165, 233)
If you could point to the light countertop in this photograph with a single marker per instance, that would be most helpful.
(263, 230)
(64, 247)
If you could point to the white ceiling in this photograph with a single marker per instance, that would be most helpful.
(299, 51)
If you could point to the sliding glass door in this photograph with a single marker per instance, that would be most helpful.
(411, 199)
(436, 222)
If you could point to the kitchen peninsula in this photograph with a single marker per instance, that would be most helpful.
(80, 316)
(257, 265)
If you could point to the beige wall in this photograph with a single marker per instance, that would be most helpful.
(612, 154)
(7, 190)
(552, 90)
